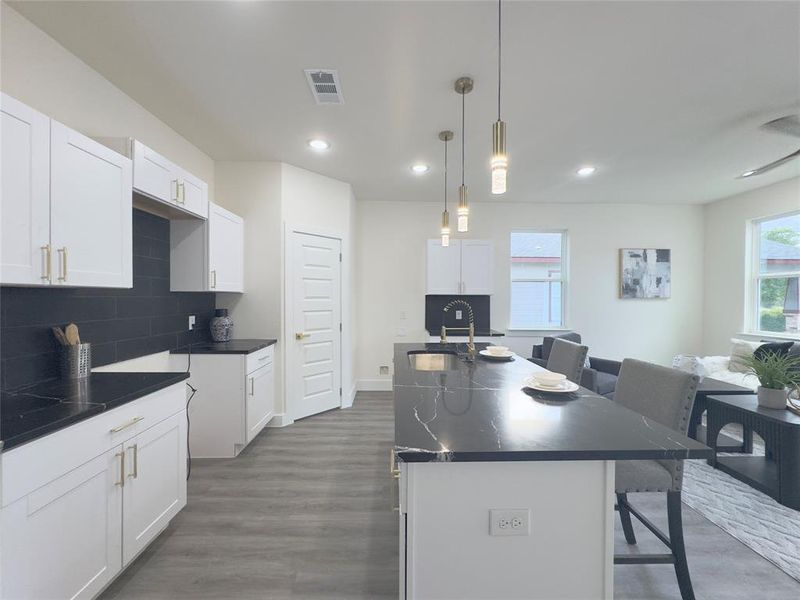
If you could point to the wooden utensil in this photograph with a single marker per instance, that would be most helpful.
(60, 337)
(71, 332)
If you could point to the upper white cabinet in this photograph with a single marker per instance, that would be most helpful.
(90, 211)
(25, 181)
(66, 205)
(463, 267)
(207, 256)
(160, 180)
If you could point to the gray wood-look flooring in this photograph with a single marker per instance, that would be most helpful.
(304, 513)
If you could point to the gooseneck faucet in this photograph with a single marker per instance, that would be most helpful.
(471, 329)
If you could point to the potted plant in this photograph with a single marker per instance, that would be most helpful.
(777, 374)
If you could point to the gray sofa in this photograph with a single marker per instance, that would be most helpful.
(600, 375)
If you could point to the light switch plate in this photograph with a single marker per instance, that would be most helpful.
(510, 521)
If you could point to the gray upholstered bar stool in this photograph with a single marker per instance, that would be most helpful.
(568, 359)
(665, 396)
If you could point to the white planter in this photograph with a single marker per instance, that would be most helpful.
(775, 399)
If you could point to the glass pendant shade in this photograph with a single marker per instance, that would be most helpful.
(463, 209)
(499, 162)
(445, 228)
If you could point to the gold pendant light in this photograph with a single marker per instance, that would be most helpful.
(463, 86)
(445, 136)
(499, 161)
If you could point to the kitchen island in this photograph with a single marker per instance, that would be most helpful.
(504, 492)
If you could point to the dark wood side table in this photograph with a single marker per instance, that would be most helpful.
(776, 474)
(715, 387)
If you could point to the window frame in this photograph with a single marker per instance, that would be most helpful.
(754, 277)
(564, 280)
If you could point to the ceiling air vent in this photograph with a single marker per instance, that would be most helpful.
(325, 86)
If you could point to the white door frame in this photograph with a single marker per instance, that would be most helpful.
(288, 334)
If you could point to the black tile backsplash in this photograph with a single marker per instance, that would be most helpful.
(435, 318)
(120, 323)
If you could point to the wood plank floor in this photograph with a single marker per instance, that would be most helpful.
(304, 513)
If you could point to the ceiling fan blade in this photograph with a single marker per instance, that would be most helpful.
(788, 125)
(770, 166)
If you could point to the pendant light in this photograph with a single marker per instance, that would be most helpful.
(445, 136)
(463, 86)
(499, 162)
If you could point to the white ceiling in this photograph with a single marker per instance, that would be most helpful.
(665, 98)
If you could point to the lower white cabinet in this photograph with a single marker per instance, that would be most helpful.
(235, 400)
(79, 504)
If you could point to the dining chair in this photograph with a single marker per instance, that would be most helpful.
(568, 359)
(664, 396)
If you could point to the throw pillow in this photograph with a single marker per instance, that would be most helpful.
(741, 350)
(689, 364)
(779, 348)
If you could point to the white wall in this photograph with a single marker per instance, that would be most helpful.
(274, 199)
(391, 275)
(726, 257)
(40, 72)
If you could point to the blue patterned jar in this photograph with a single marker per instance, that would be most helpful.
(221, 326)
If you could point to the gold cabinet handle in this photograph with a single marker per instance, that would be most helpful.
(393, 470)
(62, 270)
(48, 269)
(127, 424)
(176, 198)
(252, 386)
(213, 278)
(135, 473)
(301, 336)
(121, 482)
(182, 193)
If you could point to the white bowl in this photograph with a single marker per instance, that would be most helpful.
(497, 350)
(549, 379)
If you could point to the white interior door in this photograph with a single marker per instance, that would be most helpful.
(25, 195)
(315, 318)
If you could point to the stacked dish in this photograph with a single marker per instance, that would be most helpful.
(547, 381)
(497, 353)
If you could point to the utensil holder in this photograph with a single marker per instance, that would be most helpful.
(76, 361)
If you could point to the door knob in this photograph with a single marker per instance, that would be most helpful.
(301, 336)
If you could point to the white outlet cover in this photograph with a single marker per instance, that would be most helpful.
(459, 314)
(510, 521)
(191, 321)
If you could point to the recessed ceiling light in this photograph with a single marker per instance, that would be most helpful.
(586, 171)
(318, 144)
(419, 169)
(748, 173)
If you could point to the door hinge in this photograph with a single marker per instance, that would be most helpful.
(340, 391)
(340, 326)
(340, 257)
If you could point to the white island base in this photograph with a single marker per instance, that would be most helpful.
(447, 552)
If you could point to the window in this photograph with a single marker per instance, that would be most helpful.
(775, 283)
(538, 279)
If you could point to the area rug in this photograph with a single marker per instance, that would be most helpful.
(759, 522)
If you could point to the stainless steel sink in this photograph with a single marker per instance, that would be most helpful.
(433, 361)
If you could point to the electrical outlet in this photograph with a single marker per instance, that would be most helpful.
(402, 331)
(191, 322)
(458, 315)
(383, 370)
(510, 521)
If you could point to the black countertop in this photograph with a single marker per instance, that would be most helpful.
(35, 411)
(232, 347)
(480, 412)
(460, 334)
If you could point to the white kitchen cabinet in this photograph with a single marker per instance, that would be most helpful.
(260, 400)
(86, 499)
(235, 400)
(90, 212)
(207, 256)
(71, 527)
(161, 183)
(66, 205)
(463, 267)
(25, 194)
(155, 483)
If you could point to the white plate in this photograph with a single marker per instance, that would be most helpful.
(563, 388)
(490, 355)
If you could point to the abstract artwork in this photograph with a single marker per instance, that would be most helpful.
(645, 273)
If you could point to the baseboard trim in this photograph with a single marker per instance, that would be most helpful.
(280, 421)
(348, 400)
(374, 385)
